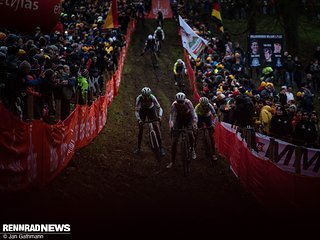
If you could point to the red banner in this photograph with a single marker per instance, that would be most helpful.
(160, 5)
(271, 186)
(192, 78)
(26, 15)
(33, 154)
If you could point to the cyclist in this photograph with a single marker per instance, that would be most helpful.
(149, 45)
(160, 19)
(140, 12)
(146, 105)
(205, 113)
(182, 114)
(159, 37)
(179, 68)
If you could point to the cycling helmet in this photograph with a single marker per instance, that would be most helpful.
(158, 28)
(204, 101)
(150, 37)
(146, 91)
(179, 60)
(180, 96)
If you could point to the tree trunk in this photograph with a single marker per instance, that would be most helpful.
(252, 14)
(290, 14)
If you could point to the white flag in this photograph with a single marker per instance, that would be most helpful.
(191, 41)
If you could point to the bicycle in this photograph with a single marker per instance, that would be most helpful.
(154, 142)
(208, 143)
(158, 45)
(154, 59)
(179, 81)
(185, 150)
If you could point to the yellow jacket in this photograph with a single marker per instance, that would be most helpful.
(265, 117)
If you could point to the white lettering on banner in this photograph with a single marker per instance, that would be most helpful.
(93, 125)
(32, 158)
(82, 126)
(110, 95)
(21, 4)
(273, 36)
(285, 157)
(77, 131)
(54, 159)
(159, 8)
(117, 78)
(163, 10)
(100, 120)
(104, 118)
(88, 128)
(63, 149)
(71, 147)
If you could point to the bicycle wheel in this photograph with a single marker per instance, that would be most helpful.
(185, 157)
(180, 84)
(154, 60)
(208, 145)
(155, 145)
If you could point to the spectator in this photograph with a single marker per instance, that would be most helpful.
(289, 68)
(265, 119)
(290, 96)
(305, 132)
(315, 71)
(280, 126)
(298, 71)
(283, 95)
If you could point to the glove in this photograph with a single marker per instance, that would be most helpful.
(140, 122)
(159, 119)
(170, 124)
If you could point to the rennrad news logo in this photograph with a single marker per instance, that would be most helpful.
(33, 231)
(42, 228)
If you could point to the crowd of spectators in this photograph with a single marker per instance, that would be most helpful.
(278, 102)
(70, 65)
(40, 71)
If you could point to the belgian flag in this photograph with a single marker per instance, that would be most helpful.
(217, 16)
(112, 17)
